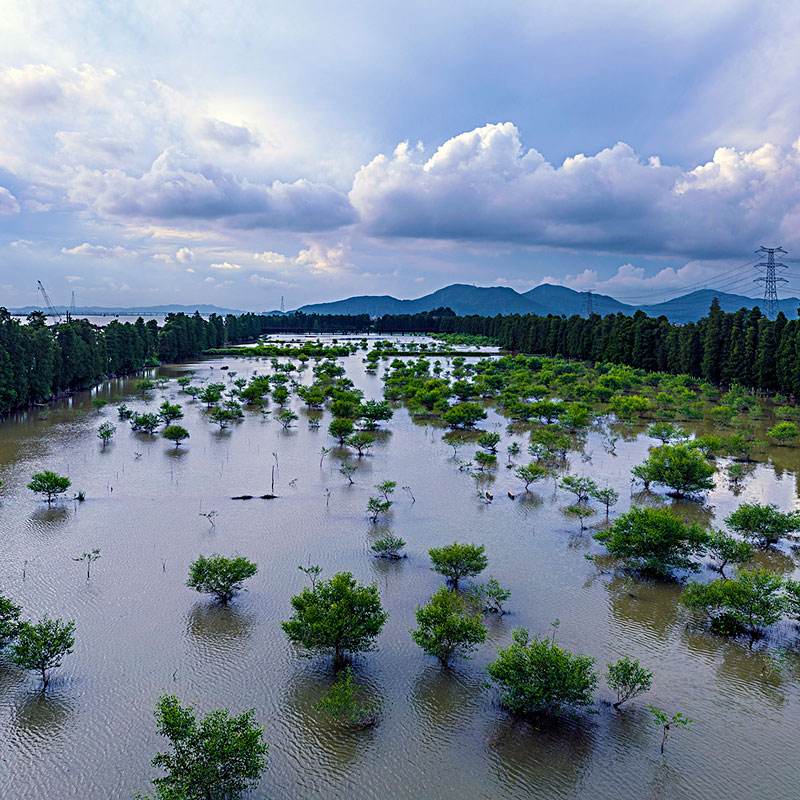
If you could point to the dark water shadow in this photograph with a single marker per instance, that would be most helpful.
(42, 716)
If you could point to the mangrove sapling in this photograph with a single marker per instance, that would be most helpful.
(581, 486)
(170, 412)
(666, 722)
(374, 411)
(50, 484)
(489, 441)
(98, 404)
(607, 497)
(89, 558)
(338, 617)
(312, 572)
(580, 512)
(683, 469)
(389, 546)
(144, 386)
(728, 550)
(654, 540)
(42, 645)
(485, 460)
(538, 676)
(667, 433)
(763, 525)
(464, 415)
(386, 489)
(360, 441)
(513, 451)
(123, 412)
(530, 473)
(210, 516)
(751, 601)
(106, 433)
(348, 470)
(784, 433)
(175, 433)
(410, 493)
(322, 453)
(446, 628)
(286, 417)
(9, 620)
(145, 422)
(489, 596)
(223, 577)
(344, 703)
(222, 416)
(377, 506)
(628, 678)
(456, 561)
(216, 757)
(341, 429)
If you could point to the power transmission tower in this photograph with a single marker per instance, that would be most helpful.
(770, 278)
(283, 305)
(589, 307)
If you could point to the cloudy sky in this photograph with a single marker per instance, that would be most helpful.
(233, 152)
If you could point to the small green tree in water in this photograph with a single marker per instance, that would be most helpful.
(456, 561)
(175, 433)
(220, 576)
(345, 705)
(106, 433)
(447, 628)
(666, 722)
(538, 676)
(338, 616)
(41, 646)
(50, 484)
(628, 678)
(217, 757)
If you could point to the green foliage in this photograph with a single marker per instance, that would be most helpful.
(784, 433)
(578, 511)
(220, 576)
(456, 561)
(344, 704)
(338, 616)
(286, 417)
(538, 676)
(750, 601)
(217, 757)
(485, 460)
(666, 722)
(223, 416)
(763, 525)
(341, 428)
(360, 441)
(667, 433)
(106, 433)
(50, 484)
(123, 412)
(175, 433)
(374, 411)
(728, 550)
(9, 621)
(145, 422)
(388, 546)
(628, 678)
(581, 486)
(530, 473)
(628, 407)
(682, 468)
(211, 394)
(170, 412)
(446, 628)
(377, 506)
(386, 488)
(464, 415)
(489, 441)
(41, 646)
(654, 540)
(489, 596)
(607, 496)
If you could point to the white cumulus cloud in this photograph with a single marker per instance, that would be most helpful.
(8, 203)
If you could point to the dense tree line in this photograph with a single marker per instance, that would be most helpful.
(39, 361)
(743, 347)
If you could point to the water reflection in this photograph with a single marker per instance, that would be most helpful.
(41, 717)
(219, 629)
(651, 606)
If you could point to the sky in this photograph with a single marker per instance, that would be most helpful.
(238, 152)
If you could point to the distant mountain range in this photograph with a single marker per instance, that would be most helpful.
(543, 299)
(135, 311)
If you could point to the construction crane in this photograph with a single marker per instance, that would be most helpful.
(46, 297)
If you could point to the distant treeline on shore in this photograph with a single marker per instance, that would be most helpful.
(40, 361)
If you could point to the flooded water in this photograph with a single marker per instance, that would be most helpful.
(141, 632)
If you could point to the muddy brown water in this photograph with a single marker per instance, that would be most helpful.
(141, 632)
